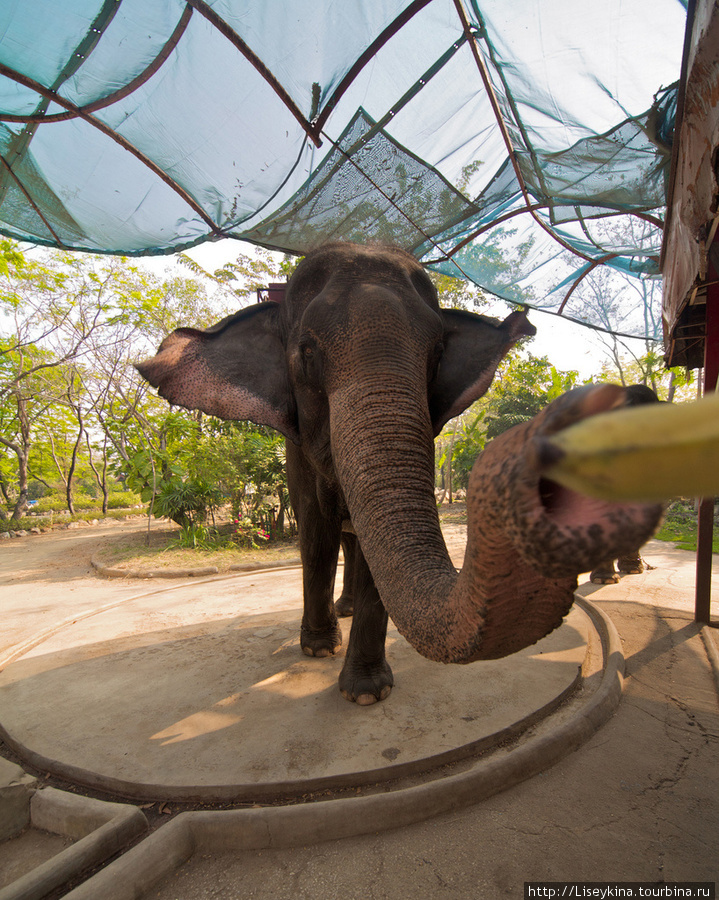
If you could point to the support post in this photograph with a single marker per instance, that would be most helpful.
(705, 525)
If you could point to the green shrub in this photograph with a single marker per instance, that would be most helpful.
(123, 500)
(187, 501)
(249, 534)
(680, 526)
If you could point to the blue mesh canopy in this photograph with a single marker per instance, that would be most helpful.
(521, 144)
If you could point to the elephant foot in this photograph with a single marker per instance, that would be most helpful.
(365, 685)
(344, 607)
(604, 573)
(604, 578)
(321, 643)
(631, 565)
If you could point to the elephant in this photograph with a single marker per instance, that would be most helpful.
(344, 605)
(359, 368)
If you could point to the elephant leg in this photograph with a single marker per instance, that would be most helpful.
(319, 530)
(366, 676)
(344, 605)
(631, 563)
(320, 633)
(604, 573)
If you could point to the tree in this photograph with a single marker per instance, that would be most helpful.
(71, 404)
(456, 293)
(523, 386)
(501, 261)
(622, 304)
(53, 307)
(245, 276)
(248, 463)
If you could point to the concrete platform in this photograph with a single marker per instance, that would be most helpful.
(199, 692)
(152, 678)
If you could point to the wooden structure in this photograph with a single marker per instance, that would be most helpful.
(690, 250)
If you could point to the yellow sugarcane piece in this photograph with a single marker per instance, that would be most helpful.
(643, 453)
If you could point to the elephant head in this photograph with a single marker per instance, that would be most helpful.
(360, 368)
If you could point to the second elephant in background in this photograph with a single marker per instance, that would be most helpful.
(631, 562)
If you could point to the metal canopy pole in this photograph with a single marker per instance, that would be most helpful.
(705, 527)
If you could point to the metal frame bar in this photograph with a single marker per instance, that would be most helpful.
(577, 281)
(479, 231)
(21, 141)
(208, 13)
(128, 89)
(108, 132)
(32, 203)
(505, 133)
(364, 58)
(386, 196)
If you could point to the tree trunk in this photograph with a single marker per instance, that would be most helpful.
(6, 496)
(22, 451)
(73, 459)
(21, 502)
(63, 476)
(100, 479)
(450, 454)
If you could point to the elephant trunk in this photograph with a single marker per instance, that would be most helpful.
(384, 457)
(528, 538)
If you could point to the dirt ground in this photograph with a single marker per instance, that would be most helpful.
(638, 802)
(47, 579)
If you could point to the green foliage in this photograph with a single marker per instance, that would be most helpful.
(456, 293)
(155, 308)
(468, 447)
(195, 536)
(676, 384)
(680, 526)
(75, 416)
(56, 502)
(501, 260)
(248, 534)
(51, 519)
(186, 501)
(247, 274)
(247, 462)
(140, 473)
(123, 500)
(10, 257)
(526, 384)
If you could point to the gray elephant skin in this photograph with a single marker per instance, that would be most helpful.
(360, 368)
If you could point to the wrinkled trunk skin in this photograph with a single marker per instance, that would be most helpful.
(527, 539)
(384, 458)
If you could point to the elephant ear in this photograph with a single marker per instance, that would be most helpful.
(236, 370)
(473, 348)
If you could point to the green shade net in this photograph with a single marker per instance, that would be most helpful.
(521, 144)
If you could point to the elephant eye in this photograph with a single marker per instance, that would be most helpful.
(307, 351)
(435, 361)
(311, 359)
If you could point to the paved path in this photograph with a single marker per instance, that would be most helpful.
(235, 709)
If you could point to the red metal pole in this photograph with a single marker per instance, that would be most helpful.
(705, 526)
